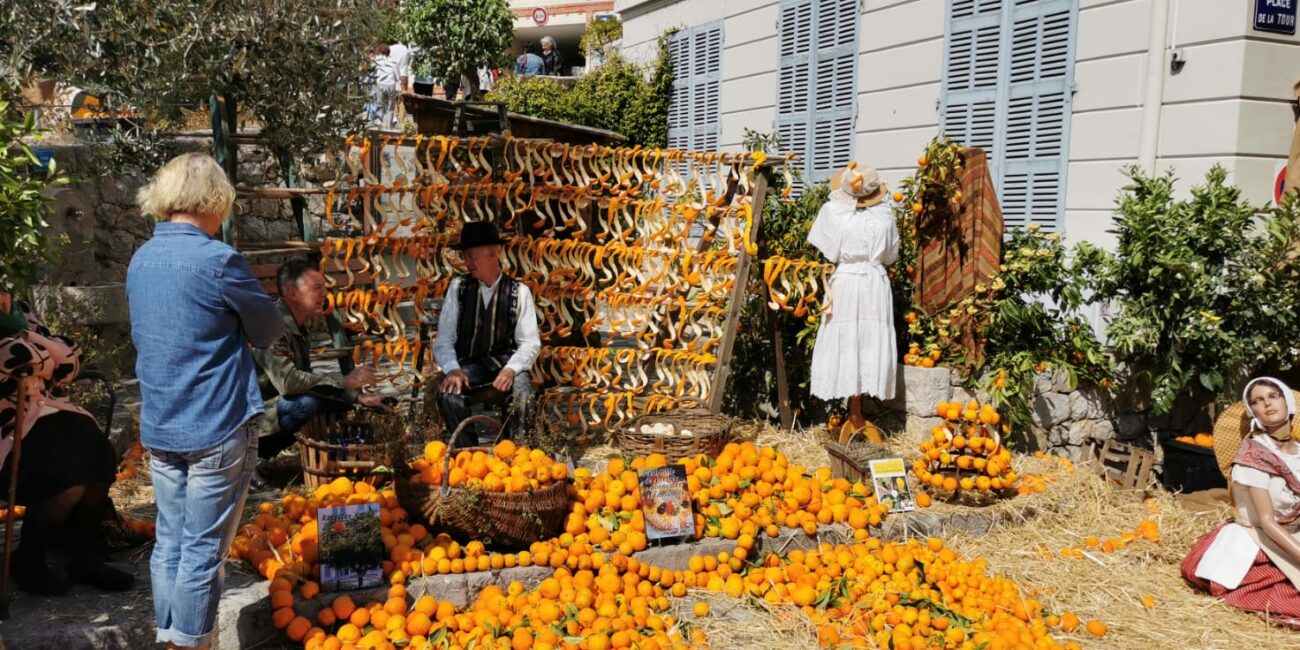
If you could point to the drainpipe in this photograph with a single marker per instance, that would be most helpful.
(1155, 85)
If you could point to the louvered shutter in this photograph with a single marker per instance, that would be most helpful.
(834, 87)
(679, 102)
(1040, 74)
(1008, 71)
(816, 112)
(706, 87)
(970, 85)
(694, 119)
(794, 76)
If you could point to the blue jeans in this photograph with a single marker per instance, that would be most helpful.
(200, 496)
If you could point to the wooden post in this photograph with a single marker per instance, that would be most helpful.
(296, 202)
(739, 293)
(224, 148)
(782, 384)
(16, 453)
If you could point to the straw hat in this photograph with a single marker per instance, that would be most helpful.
(860, 183)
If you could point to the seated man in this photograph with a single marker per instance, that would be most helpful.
(487, 331)
(293, 393)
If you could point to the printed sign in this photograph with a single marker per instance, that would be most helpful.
(666, 503)
(889, 480)
(1276, 16)
(351, 548)
(540, 16)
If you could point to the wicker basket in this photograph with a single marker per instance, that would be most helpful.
(324, 458)
(851, 459)
(710, 433)
(503, 520)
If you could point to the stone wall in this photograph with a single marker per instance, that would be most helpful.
(1064, 420)
(99, 226)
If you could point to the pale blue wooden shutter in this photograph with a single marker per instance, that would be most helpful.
(706, 86)
(816, 112)
(694, 119)
(1008, 74)
(969, 112)
(679, 102)
(835, 99)
(1040, 73)
(794, 85)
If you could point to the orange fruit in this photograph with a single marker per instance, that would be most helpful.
(1096, 628)
(701, 609)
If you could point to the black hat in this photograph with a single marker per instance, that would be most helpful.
(479, 233)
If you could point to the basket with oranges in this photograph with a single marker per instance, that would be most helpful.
(505, 494)
(965, 460)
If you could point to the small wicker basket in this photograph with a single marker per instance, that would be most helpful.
(709, 434)
(327, 447)
(851, 459)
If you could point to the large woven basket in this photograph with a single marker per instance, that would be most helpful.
(850, 456)
(709, 434)
(325, 458)
(503, 520)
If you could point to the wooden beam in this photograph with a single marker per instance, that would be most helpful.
(739, 293)
(782, 383)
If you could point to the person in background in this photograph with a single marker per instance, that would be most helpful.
(529, 64)
(552, 62)
(195, 311)
(293, 393)
(401, 56)
(487, 331)
(68, 463)
(384, 74)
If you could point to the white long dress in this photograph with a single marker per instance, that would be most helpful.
(855, 352)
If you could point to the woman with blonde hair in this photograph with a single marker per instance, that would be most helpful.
(1253, 561)
(195, 310)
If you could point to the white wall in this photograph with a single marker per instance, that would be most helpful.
(1227, 105)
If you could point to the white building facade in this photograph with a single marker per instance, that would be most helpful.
(1063, 94)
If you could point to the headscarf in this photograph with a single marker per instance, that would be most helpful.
(1255, 424)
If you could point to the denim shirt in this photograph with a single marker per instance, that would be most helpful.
(195, 309)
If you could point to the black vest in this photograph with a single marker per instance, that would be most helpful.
(487, 334)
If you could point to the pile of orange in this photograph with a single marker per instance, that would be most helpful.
(131, 462)
(1200, 440)
(284, 535)
(965, 453)
(864, 594)
(508, 468)
(914, 357)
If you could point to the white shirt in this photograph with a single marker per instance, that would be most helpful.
(385, 72)
(526, 334)
(401, 56)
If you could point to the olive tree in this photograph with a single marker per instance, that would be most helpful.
(455, 37)
(296, 68)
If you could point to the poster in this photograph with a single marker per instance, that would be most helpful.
(666, 503)
(351, 549)
(889, 480)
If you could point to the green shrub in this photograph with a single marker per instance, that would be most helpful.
(618, 96)
(1206, 287)
(23, 244)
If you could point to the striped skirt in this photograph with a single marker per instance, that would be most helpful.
(1265, 590)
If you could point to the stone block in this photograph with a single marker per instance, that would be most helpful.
(1052, 381)
(92, 305)
(1090, 404)
(919, 389)
(1050, 409)
(1079, 432)
(918, 428)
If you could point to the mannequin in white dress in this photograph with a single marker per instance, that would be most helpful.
(855, 353)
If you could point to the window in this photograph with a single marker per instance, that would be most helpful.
(816, 105)
(694, 122)
(1008, 73)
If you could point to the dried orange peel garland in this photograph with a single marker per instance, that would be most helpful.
(864, 593)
